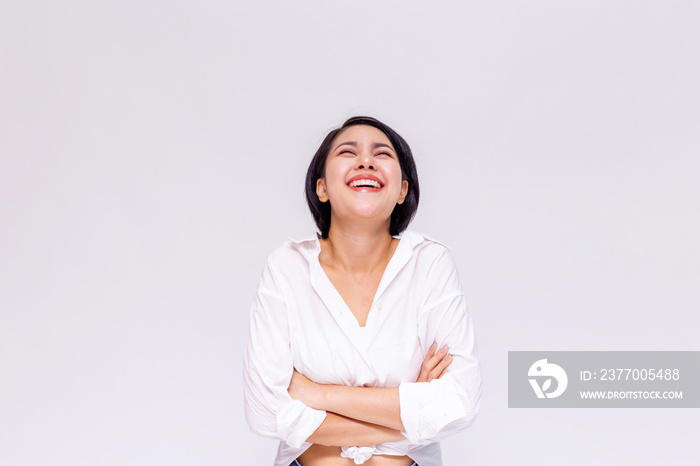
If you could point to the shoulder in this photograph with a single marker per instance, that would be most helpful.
(434, 262)
(288, 265)
(425, 247)
(293, 254)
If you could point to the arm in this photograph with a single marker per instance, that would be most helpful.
(443, 407)
(373, 405)
(341, 431)
(268, 367)
(376, 406)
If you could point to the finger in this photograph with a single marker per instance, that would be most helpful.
(435, 359)
(448, 361)
(431, 350)
(428, 363)
(439, 356)
(440, 369)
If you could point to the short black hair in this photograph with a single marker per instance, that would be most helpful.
(403, 213)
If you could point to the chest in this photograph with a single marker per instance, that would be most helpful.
(330, 347)
(358, 292)
(331, 343)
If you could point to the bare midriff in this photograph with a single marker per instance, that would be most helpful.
(320, 455)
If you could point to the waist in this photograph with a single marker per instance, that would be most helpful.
(320, 455)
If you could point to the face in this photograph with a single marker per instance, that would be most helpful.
(363, 175)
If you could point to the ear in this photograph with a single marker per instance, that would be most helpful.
(321, 190)
(404, 191)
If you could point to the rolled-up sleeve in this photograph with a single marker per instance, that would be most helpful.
(268, 367)
(432, 411)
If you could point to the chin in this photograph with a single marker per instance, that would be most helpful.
(371, 213)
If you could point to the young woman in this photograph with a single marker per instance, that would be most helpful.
(347, 358)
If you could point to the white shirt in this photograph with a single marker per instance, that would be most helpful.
(299, 320)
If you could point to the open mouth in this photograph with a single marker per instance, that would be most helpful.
(365, 183)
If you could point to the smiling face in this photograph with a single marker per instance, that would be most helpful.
(362, 177)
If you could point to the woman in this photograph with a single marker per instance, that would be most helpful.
(347, 358)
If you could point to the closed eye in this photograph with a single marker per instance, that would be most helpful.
(384, 154)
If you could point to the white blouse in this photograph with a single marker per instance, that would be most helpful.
(299, 320)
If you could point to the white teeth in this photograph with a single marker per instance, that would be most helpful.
(365, 183)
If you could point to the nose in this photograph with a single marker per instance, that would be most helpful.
(365, 161)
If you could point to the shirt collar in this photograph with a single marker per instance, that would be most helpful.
(310, 247)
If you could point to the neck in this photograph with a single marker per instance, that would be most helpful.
(358, 250)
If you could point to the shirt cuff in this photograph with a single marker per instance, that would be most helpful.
(428, 407)
(296, 421)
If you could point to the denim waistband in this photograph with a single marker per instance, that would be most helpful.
(296, 463)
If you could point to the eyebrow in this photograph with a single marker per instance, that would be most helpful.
(354, 144)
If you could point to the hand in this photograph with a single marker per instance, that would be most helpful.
(434, 364)
(303, 389)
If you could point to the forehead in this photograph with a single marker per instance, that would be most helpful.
(361, 134)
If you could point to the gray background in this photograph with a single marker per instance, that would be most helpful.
(153, 153)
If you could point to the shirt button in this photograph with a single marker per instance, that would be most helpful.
(379, 306)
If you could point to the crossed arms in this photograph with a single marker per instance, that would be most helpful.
(361, 416)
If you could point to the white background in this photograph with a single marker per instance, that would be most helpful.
(153, 153)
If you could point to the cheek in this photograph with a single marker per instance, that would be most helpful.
(335, 169)
(329, 177)
(393, 169)
(336, 172)
(396, 179)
